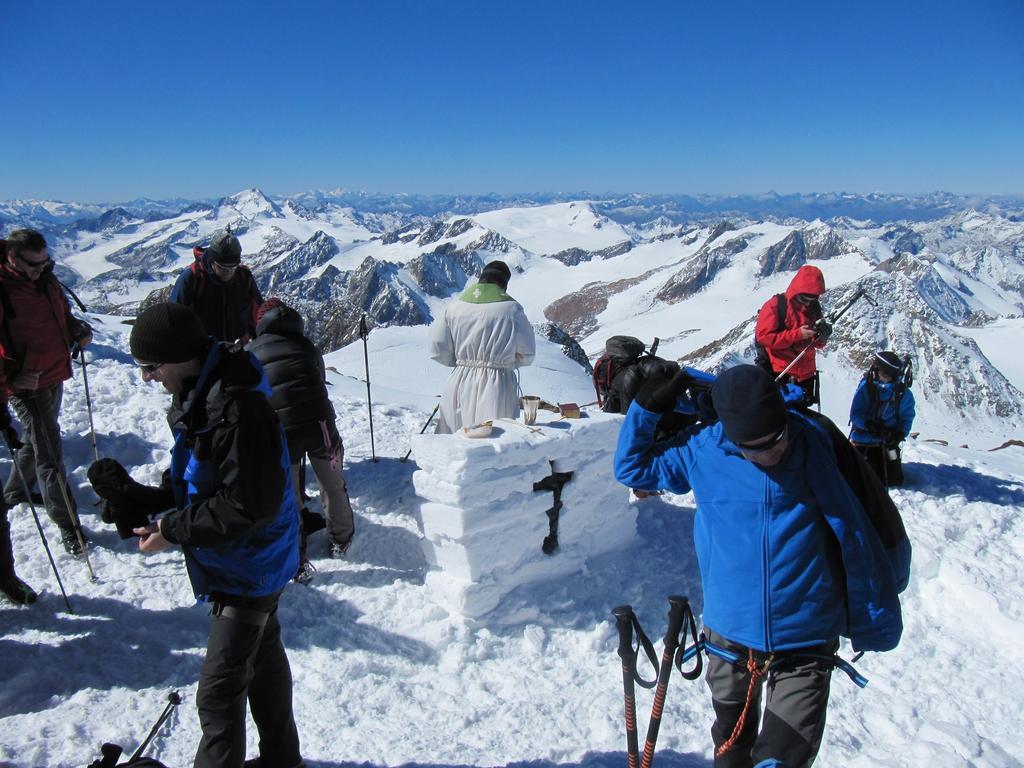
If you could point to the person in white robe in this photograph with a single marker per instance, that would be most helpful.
(485, 336)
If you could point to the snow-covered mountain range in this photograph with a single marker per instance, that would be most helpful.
(384, 676)
(944, 282)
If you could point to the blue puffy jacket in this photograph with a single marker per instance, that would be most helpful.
(236, 517)
(874, 411)
(788, 557)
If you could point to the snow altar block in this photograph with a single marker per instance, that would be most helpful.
(484, 525)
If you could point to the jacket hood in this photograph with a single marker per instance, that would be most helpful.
(282, 320)
(230, 368)
(808, 279)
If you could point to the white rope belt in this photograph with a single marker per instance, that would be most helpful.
(481, 364)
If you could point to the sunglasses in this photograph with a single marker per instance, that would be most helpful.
(764, 445)
(31, 263)
(149, 368)
(805, 298)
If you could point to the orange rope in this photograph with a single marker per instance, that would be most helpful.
(756, 675)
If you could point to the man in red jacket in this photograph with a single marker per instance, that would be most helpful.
(38, 332)
(792, 322)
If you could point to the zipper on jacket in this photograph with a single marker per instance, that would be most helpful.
(765, 554)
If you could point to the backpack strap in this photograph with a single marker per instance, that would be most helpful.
(198, 268)
(781, 307)
(6, 341)
(602, 377)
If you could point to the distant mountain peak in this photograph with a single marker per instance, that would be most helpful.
(250, 203)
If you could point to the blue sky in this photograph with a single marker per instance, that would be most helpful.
(109, 101)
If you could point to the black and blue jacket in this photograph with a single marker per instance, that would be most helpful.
(236, 518)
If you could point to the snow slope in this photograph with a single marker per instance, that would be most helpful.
(383, 677)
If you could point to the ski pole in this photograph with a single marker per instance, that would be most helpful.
(835, 318)
(678, 607)
(173, 700)
(76, 522)
(626, 622)
(429, 419)
(88, 399)
(363, 333)
(39, 527)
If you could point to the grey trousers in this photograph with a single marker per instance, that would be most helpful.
(41, 458)
(326, 454)
(795, 703)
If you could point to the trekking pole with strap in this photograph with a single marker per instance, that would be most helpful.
(76, 522)
(173, 700)
(627, 624)
(76, 352)
(678, 610)
(35, 516)
(861, 293)
(363, 333)
(433, 413)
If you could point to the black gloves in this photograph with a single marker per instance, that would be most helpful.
(893, 437)
(8, 430)
(823, 329)
(660, 393)
(126, 503)
(108, 476)
(876, 427)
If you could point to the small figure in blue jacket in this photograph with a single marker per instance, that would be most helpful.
(789, 559)
(882, 414)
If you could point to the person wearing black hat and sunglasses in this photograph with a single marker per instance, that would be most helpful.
(232, 510)
(882, 415)
(485, 336)
(789, 559)
(220, 289)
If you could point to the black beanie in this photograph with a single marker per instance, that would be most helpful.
(748, 403)
(496, 273)
(168, 333)
(225, 249)
(888, 363)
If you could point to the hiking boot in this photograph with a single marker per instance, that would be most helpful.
(305, 573)
(19, 498)
(69, 539)
(18, 591)
(338, 550)
(311, 522)
(256, 762)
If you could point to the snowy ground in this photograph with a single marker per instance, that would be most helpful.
(384, 677)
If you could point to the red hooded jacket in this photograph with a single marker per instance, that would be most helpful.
(783, 344)
(37, 335)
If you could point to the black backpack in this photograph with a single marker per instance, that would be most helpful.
(620, 352)
(903, 382)
(761, 359)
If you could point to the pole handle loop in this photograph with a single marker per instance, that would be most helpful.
(629, 627)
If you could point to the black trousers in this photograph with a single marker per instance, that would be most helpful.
(795, 699)
(889, 471)
(6, 550)
(245, 660)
